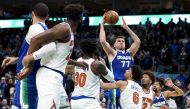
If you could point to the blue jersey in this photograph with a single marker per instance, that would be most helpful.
(26, 92)
(158, 101)
(122, 62)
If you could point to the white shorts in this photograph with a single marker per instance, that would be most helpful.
(51, 93)
(86, 103)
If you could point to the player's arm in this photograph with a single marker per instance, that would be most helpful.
(102, 36)
(8, 61)
(136, 44)
(98, 68)
(44, 51)
(78, 63)
(177, 91)
(58, 32)
(114, 85)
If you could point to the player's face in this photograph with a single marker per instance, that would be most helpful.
(119, 44)
(156, 86)
(146, 79)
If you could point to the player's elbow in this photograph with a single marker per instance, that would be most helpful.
(181, 93)
(102, 40)
(138, 41)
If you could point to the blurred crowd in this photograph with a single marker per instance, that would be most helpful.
(165, 49)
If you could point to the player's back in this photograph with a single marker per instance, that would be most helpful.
(59, 59)
(131, 97)
(86, 82)
(148, 99)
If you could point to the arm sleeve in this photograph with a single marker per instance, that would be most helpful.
(109, 76)
(44, 51)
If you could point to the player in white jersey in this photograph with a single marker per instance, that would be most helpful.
(87, 81)
(147, 81)
(131, 91)
(54, 58)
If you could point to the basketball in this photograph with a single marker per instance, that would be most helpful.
(111, 17)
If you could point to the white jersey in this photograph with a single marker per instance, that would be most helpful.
(59, 59)
(86, 82)
(131, 97)
(148, 99)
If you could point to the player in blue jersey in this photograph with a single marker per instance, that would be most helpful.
(119, 58)
(161, 97)
(26, 92)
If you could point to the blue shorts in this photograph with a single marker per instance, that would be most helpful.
(26, 94)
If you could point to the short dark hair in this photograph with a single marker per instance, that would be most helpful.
(120, 36)
(136, 73)
(88, 46)
(74, 11)
(41, 10)
(161, 83)
(151, 75)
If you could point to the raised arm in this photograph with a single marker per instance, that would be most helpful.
(58, 32)
(102, 36)
(177, 91)
(136, 44)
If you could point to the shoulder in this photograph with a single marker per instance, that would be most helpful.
(97, 64)
(121, 83)
(35, 27)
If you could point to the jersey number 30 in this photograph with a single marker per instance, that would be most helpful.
(80, 79)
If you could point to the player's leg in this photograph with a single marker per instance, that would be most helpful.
(48, 85)
(64, 100)
(16, 101)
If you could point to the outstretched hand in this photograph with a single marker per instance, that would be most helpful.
(8, 61)
(124, 25)
(21, 75)
(103, 19)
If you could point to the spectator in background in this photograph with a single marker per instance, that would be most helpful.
(187, 93)
(187, 105)
(171, 24)
(180, 22)
(160, 27)
(182, 58)
(148, 24)
(4, 104)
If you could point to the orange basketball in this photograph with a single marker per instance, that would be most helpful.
(111, 17)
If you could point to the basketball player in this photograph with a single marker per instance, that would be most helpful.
(162, 96)
(147, 81)
(119, 59)
(87, 82)
(131, 91)
(49, 78)
(26, 93)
